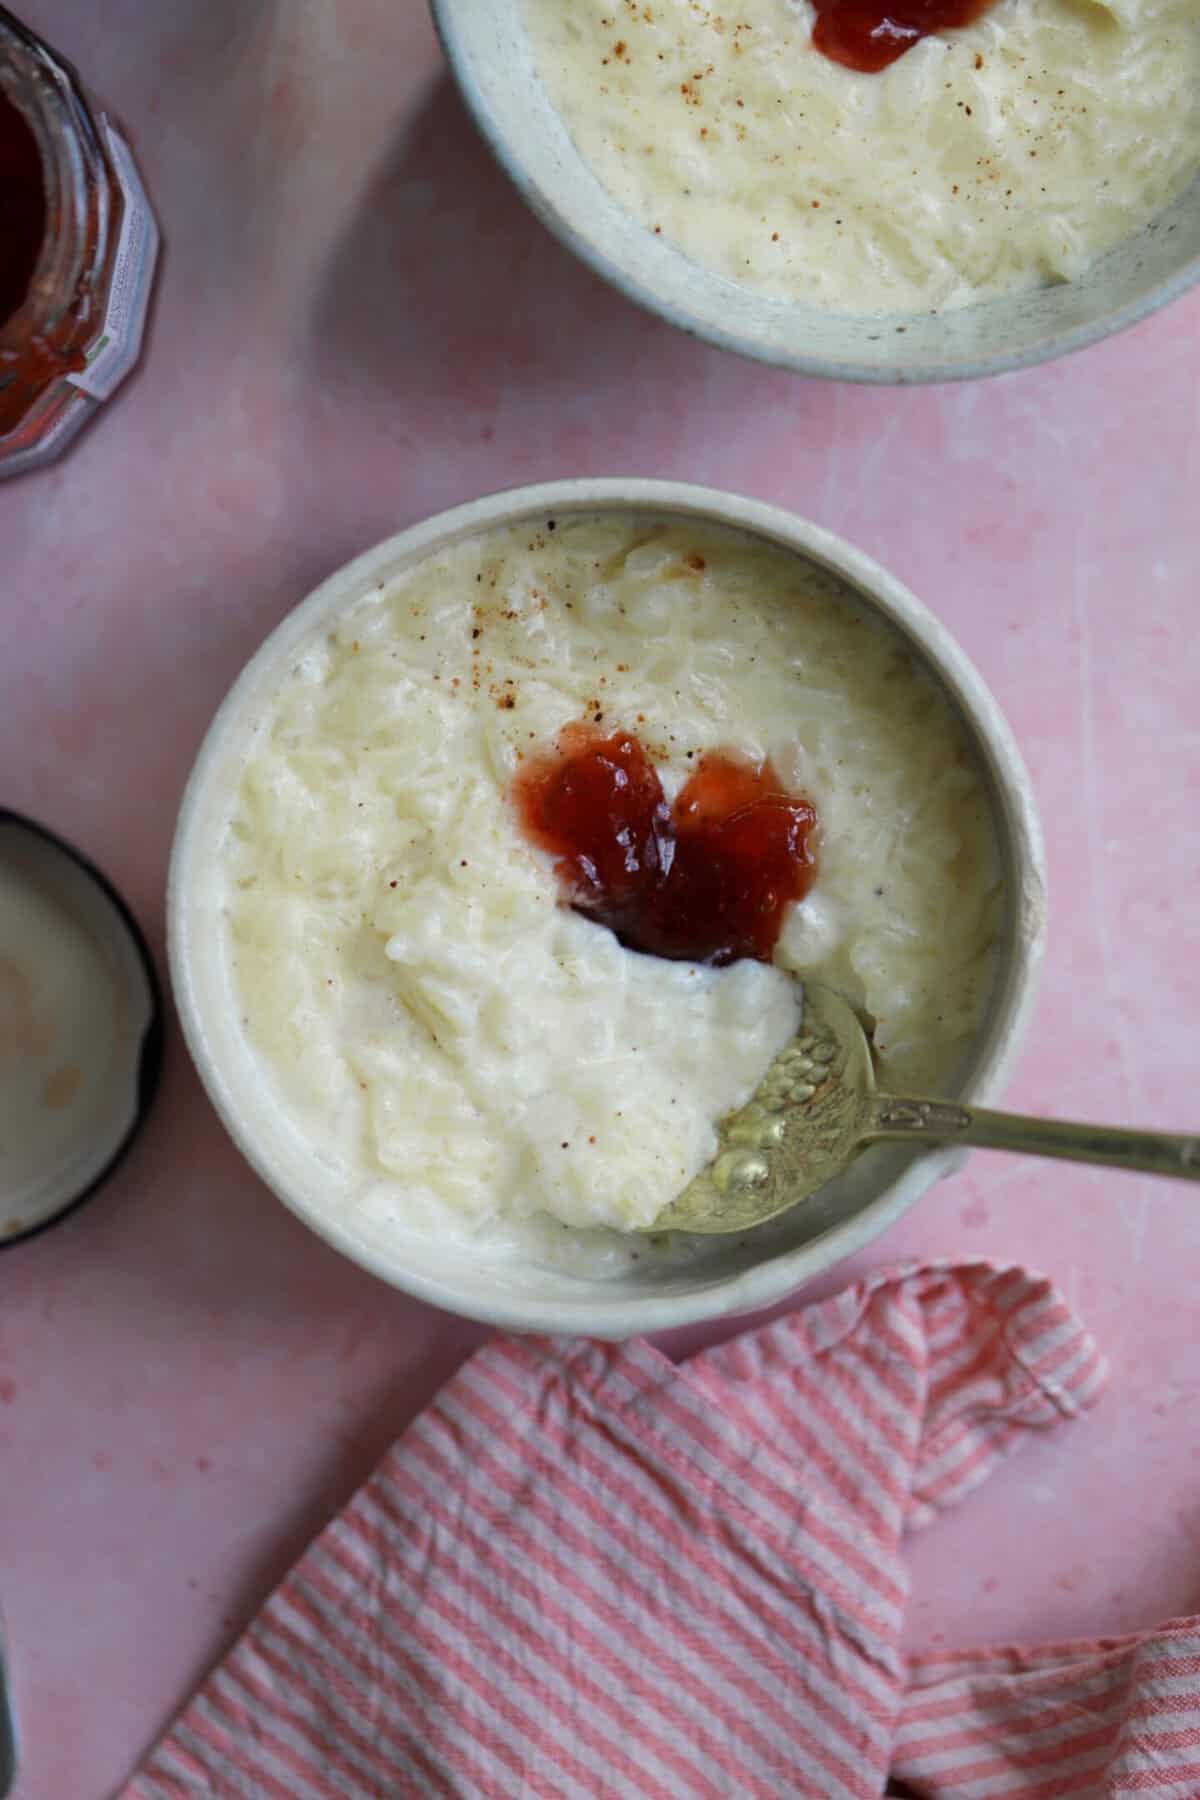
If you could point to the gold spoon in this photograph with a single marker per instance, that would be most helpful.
(818, 1104)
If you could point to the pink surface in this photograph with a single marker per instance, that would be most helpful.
(359, 324)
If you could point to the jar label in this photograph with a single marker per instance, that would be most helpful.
(116, 348)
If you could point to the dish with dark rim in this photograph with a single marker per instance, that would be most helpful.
(148, 1054)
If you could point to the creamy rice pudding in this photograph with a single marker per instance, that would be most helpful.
(468, 1024)
(1005, 154)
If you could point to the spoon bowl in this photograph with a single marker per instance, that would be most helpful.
(818, 1105)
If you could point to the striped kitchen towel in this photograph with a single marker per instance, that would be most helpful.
(588, 1572)
(1114, 1716)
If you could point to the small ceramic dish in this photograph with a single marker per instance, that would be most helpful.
(736, 1275)
(81, 1028)
(490, 56)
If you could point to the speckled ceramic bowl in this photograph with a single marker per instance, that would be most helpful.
(733, 1275)
(489, 53)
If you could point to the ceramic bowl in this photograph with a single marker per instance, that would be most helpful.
(733, 1276)
(81, 1031)
(489, 53)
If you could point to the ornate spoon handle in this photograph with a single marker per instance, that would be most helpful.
(948, 1122)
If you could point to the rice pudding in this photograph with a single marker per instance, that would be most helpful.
(1002, 156)
(468, 1047)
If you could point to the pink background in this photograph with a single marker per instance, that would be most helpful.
(357, 325)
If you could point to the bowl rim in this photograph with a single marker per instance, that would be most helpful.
(765, 1283)
(446, 16)
(148, 1059)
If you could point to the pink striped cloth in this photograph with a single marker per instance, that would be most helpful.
(588, 1572)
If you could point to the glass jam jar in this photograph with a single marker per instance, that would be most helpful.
(78, 247)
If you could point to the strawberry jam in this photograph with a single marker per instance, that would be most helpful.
(22, 207)
(867, 35)
(705, 880)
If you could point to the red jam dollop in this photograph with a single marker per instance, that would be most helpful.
(22, 208)
(706, 880)
(867, 35)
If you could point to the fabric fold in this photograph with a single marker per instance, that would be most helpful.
(1106, 1717)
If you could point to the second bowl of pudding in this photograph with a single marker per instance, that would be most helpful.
(502, 865)
(968, 188)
